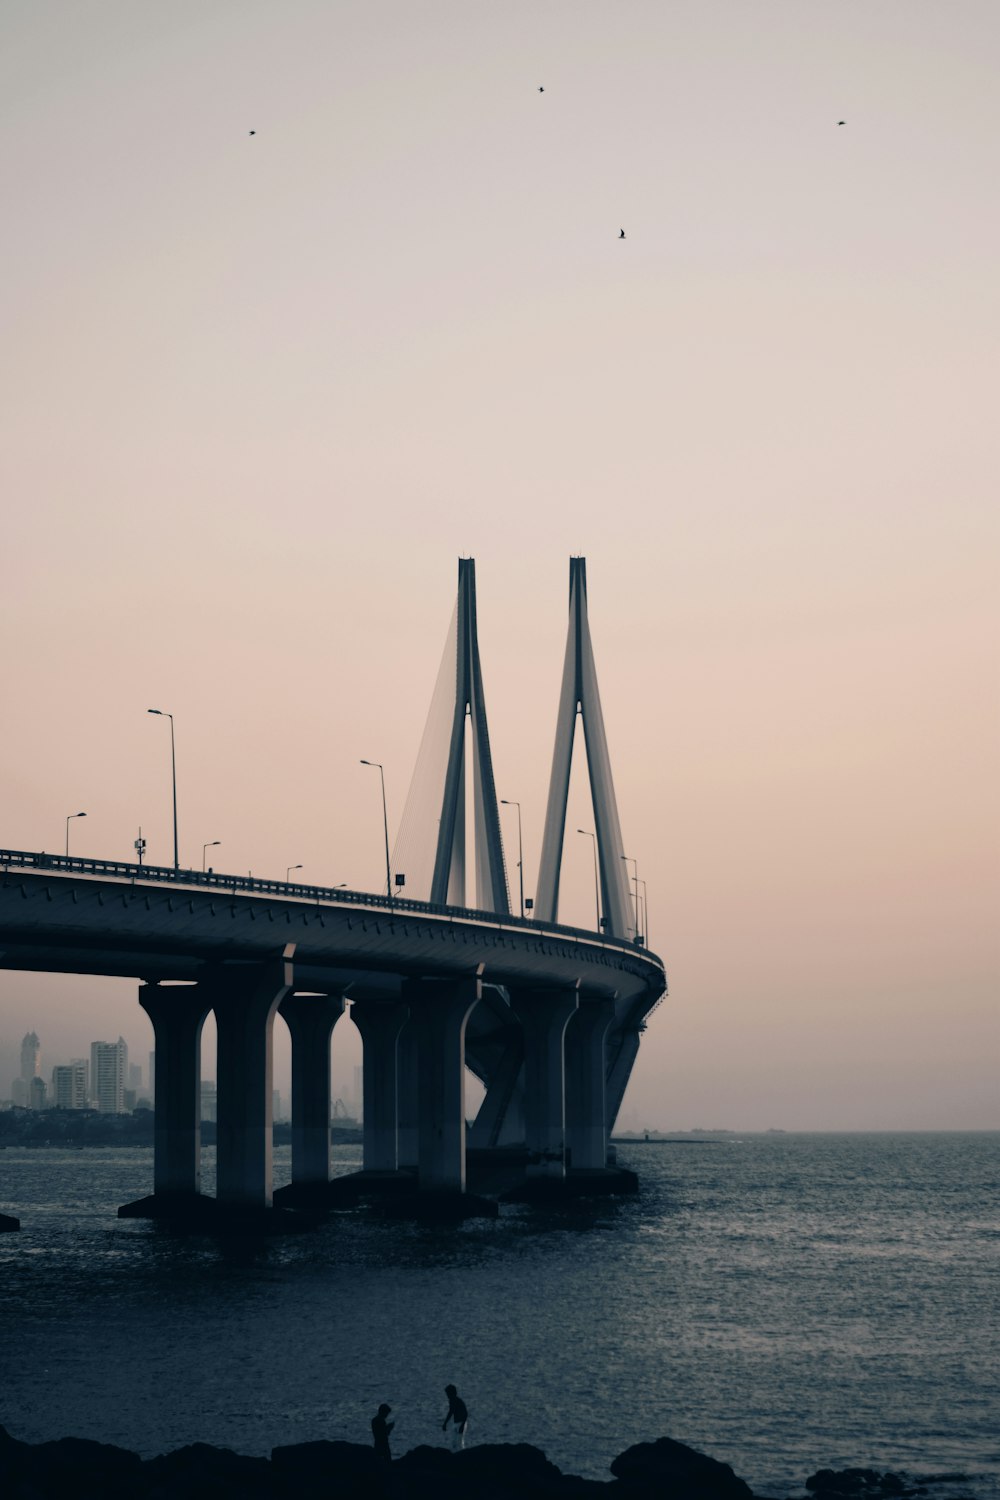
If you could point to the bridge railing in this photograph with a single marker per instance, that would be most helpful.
(251, 886)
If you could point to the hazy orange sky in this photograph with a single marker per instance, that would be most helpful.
(260, 392)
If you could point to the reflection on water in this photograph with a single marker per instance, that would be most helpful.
(780, 1301)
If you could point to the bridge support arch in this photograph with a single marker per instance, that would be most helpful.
(310, 1020)
(245, 1000)
(586, 1083)
(439, 1010)
(544, 1016)
(177, 1013)
(380, 1023)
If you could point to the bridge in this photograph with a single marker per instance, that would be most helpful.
(547, 1016)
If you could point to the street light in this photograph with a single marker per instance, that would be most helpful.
(69, 820)
(289, 870)
(173, 769)
(597, 885)
(645, 912)
(629, 861)
(213, 845)
(520, 846)
(385, 823)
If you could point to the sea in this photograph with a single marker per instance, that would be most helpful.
(782, 1302)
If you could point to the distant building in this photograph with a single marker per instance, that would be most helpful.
(108, 1072)
(19, 1092)
(31, 1056)
(152, 1072)
(276, 1106)
(36, 1093)
(209, 1102)
(135, 1076)
(358, 1099)
(69, 1084)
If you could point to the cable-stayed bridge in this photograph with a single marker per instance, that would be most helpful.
(547, 1016)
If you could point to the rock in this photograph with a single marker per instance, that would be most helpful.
(345, 1470)
(669, 1469)
(488, 1471)
(70, 1466)
(201, 1469)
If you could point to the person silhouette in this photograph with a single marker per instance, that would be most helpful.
(458, 1413)
(380, 1432)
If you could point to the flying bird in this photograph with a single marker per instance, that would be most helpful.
(540, 89)
(253, 132)
(621, 234)
(841, 122)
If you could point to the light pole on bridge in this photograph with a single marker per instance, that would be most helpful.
(69, 819)
(204, 849)
(630, 861)
(597, 884)
(173, 771)
(509, 802)
(385, 823)
(289, 870)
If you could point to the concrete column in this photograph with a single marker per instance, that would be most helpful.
(409, 1096)
(178, 1013)
(623, 1049)
(440, 1009)
(586, 1072)
(311, 1019)
(245, 999)
(496, 1109)
(544, 1015)
(379, 1022)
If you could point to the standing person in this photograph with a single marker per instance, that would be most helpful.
(380, 1432)
(458, 1413)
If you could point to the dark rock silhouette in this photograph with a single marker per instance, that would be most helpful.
(662, 1470)
(673, 1469)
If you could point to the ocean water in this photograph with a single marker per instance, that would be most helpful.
(783, 1302)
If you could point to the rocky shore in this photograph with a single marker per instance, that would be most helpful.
(661, 1470)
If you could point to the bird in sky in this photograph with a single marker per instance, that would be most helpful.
(841, 122)
(621, 234)
(253, 132)
(541, 89)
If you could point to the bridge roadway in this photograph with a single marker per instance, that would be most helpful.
(548, 1016)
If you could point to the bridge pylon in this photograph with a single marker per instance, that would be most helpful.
(438, 787)
(579, 695)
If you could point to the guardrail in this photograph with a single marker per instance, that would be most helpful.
(167, 875)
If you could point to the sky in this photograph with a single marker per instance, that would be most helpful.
(259, 392)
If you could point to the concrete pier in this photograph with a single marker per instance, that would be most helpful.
(310, 1020)
(544, 1015)
(408, 1097)
(245, 999)
(586, 1083)
(439, 1010)
(177, 1013)
(380, 1022)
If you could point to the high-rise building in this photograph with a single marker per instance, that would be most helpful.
(108, 1073)
(209, 1102)
(36, 1093)
(135, 1076)
(276, 1106)
(31, 1056)
(152, 1072)
(69, 1084)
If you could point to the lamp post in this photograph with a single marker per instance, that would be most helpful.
(289, 870)
(629, 861)
(520, 847)
(173, 770)
(213, 845)
(597, 885)
(385, 824)
(69, 819)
